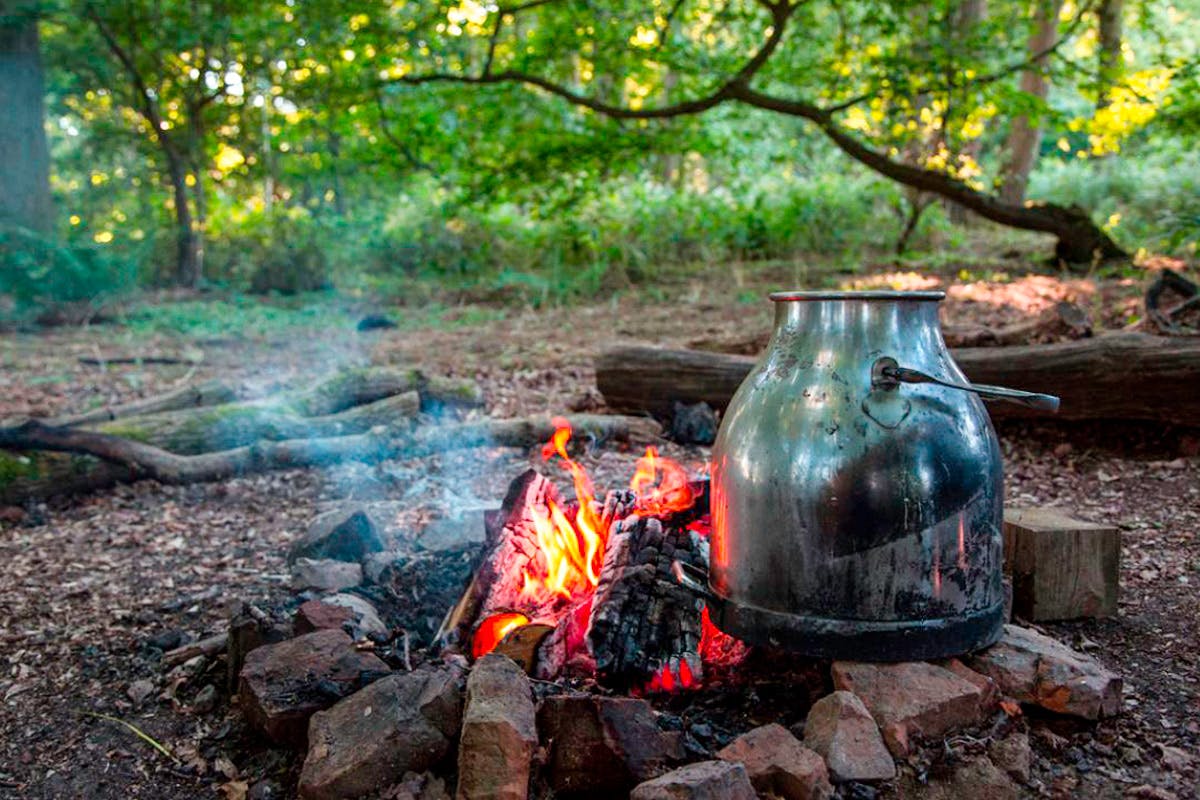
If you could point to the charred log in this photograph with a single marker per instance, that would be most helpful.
(643, 623)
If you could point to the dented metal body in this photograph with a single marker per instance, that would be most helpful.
(855, 517)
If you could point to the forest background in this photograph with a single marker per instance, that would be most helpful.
(552, 150)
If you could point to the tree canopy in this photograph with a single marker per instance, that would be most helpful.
(204, 116)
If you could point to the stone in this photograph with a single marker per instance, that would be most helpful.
(603, 746)
(1013, 755)
(139, 690)
(777, 763)
(364, 622)
(266, 789)
(976, 778)
(452, 533)
(376, 566)
(316, 615)
(413, 786)
(704, 780)
(499, 732)
(205, 699)
(402, 723)
(911, 699)
(325, 575)
(344, 534)
(989, 692)
(249, 628)
(282, 685)
(842, 731)
(1032, 668)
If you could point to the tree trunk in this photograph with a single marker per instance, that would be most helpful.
(1112, 61)
(1117, 376)
(24, 158)
(187, 242)
(969, 14)
(1026, 134)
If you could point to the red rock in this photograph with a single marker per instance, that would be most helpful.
(1033, 668)
(911, 699)
(778, 764)
(499, 732)
(317, 616)
(602, 746)
(282, 685)
(989, 692)
(704, 780)
(842, 731)
(401, 723)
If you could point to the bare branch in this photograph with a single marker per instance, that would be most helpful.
(779, 17)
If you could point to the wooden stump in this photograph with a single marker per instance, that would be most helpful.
(1062, 568)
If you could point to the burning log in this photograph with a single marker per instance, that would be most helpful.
(644, 626)
(1115, 376)
(510, 553)
(589, 587)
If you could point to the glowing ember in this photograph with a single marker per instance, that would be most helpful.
(661, 485)
(667, 681)
(493, 630)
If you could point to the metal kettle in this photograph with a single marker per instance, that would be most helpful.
(857, 487)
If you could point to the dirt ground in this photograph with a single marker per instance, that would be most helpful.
(94, 588)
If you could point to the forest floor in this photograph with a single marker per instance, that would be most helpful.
(93, 587)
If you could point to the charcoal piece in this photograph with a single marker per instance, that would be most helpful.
(693, 424)
(641, 618)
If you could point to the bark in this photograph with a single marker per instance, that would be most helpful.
(1117, 376)
(125, 460)
(1025, 135)
(24, 158)
(187, 240)
(1112, 61)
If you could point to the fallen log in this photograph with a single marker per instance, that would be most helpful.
(124, 460)
(349, 402)
(209, 393)
(1116, 376)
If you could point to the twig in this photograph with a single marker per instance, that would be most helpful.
(138, 731)
(205, 647)
(100, 361)
(407, 654)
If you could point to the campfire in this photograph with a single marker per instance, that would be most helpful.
(587, 587)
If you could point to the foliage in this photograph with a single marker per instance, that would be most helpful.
(1153, 198)
(36, 270)
(312, 151)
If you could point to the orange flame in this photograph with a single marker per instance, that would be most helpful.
(572, 548)
(493, 630)
(661, 485)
